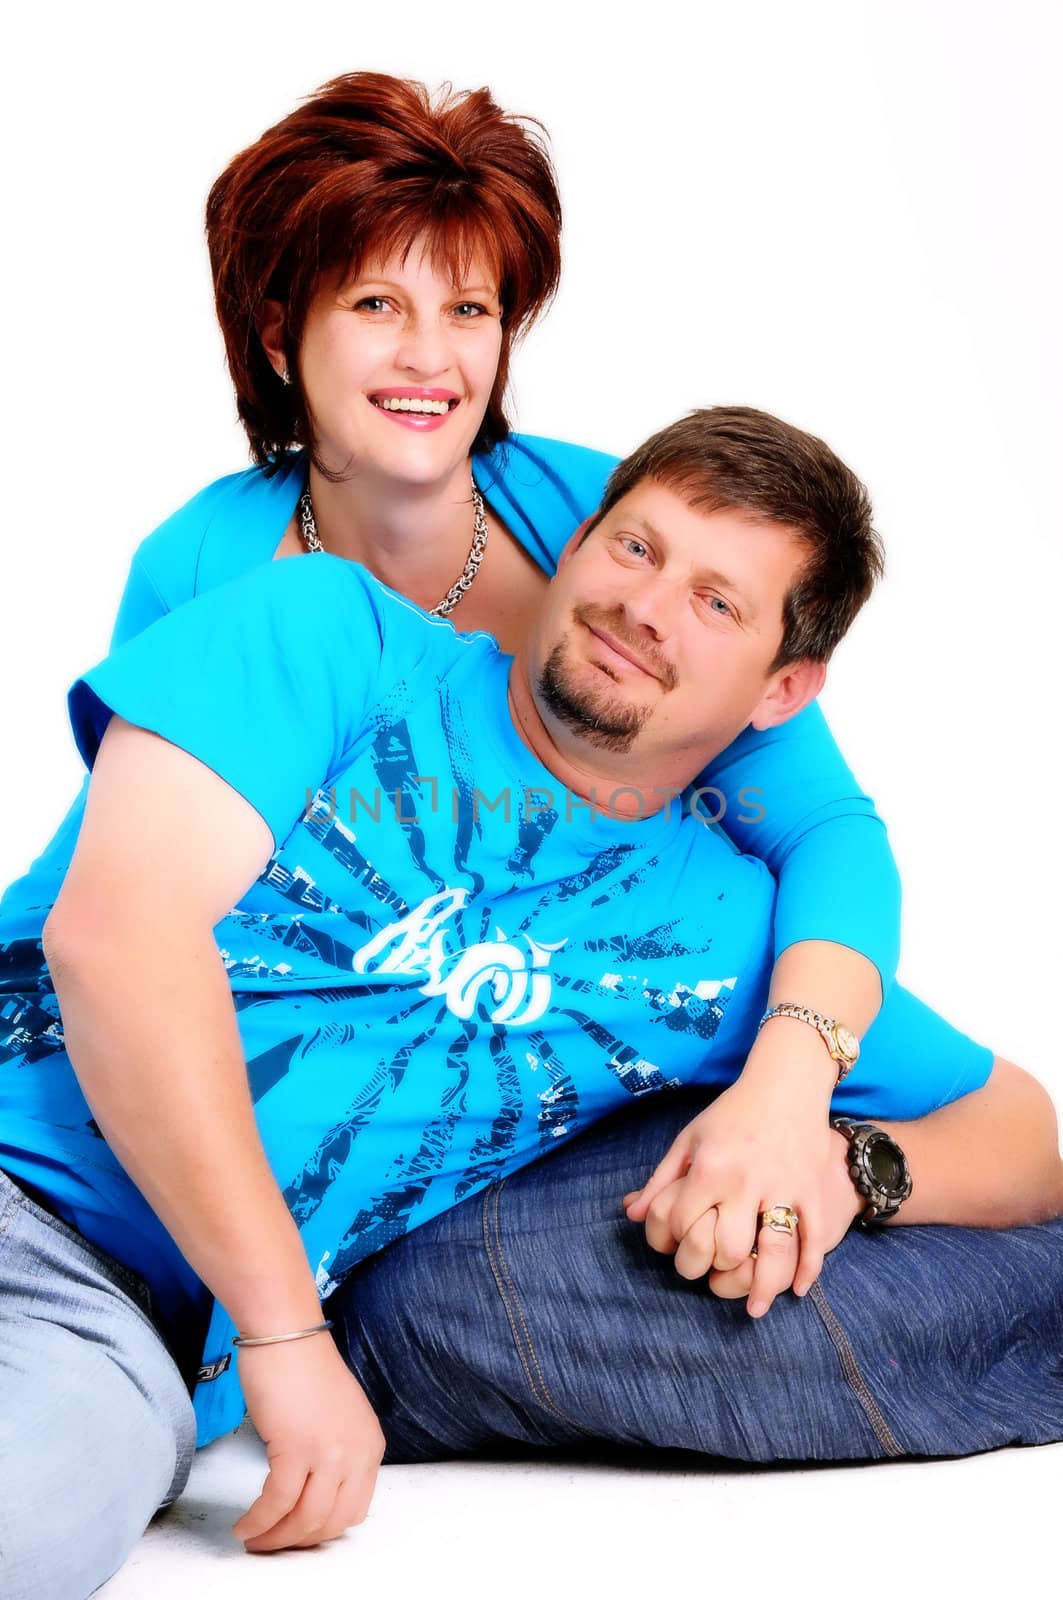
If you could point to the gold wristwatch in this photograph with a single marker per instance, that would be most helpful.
(842, 1043)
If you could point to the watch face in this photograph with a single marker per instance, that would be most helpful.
(847, 1042)
(886, 1165)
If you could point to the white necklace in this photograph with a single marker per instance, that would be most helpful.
(308, 527)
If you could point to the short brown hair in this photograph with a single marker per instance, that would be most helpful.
(731, 458)
(360, 170)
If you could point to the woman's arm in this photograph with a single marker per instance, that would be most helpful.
(785, 794)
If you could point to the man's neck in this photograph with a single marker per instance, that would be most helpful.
(628, 786)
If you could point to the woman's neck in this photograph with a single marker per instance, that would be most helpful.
(413, 537)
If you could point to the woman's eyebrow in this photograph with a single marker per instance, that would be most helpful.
(360, 278)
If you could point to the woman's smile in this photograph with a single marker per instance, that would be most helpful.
(424, 410)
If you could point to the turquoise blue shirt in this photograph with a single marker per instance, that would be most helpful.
(818, 830)
(447, 965)
(410, 958)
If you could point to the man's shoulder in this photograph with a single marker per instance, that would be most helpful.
(338, 605)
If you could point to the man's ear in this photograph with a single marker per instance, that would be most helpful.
(789, 691)
(270, 324)
(573, 544)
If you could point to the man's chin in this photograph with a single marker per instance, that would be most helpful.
(604, 721)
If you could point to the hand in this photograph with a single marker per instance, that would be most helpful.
(323, 1443)
(844, 1205)
(759, 1144)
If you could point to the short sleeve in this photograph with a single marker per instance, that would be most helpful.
(266, 680)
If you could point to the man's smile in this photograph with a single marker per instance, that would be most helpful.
(617, 654)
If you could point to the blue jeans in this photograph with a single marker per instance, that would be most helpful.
(531, 1315)
(535, 1314)
(96, 1424)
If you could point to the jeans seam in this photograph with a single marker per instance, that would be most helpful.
(511, 1302)
(853, 1376)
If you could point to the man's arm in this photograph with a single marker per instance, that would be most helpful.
(166, 849)
(988, 1160)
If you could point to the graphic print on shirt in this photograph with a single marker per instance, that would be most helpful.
(416, 946)
(430, 996)
(518, 980)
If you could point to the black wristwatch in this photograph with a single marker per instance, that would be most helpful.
(878, 1168)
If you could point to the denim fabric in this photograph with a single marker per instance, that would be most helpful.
(536, 1313)
(96, 1424)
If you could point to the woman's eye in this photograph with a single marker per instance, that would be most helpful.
(468, 311)
(371, 302)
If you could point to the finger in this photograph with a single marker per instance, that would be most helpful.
(303, 1524)
(352, 1505)
(774, 1268)
(697, 1246)
(674, 1164)
(282, 1488)
(813, 1249)
(736, 1232)
(734, 1285)
(660, 1234)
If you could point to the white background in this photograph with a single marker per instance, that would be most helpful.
(846, 213)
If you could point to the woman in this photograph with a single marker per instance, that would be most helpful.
(374, 260)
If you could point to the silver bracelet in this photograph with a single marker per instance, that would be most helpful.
(281, 1338)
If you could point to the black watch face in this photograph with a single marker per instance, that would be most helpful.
(885, 1165)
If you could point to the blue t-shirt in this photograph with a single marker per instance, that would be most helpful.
(808, 818)
(819, 830)
(448, 964)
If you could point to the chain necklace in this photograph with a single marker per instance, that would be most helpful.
(308, 528)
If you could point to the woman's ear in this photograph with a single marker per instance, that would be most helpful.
(270, 325)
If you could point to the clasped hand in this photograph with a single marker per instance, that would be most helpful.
(751, 1149)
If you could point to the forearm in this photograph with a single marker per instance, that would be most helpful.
(151, 1032)
(988, 1160)
(828, 978)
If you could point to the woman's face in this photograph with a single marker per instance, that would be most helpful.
(397, 366)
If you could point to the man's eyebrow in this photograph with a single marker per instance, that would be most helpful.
(719, 580)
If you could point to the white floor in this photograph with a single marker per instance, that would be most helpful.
(983, 1526)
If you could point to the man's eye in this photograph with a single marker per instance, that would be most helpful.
(715, 601)
(634, 546)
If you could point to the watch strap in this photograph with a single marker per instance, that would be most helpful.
(826, 1027)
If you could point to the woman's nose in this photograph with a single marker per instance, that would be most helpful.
(423, 348)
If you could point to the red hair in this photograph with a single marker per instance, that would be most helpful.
(363, 168)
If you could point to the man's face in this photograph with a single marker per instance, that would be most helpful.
(658, 631)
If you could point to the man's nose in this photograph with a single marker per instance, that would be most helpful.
(652, 603)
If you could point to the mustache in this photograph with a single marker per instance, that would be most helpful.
(612, 621)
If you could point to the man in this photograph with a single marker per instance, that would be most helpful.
(475, 922)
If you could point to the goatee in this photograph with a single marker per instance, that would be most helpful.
(587, 710)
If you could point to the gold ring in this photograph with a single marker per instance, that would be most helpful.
(783, 1219)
